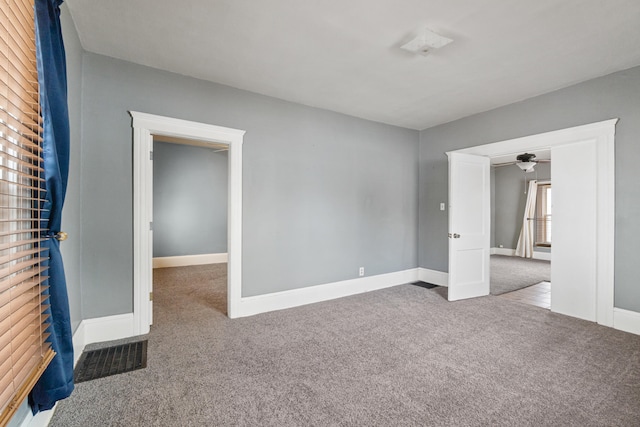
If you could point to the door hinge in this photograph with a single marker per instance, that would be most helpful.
(151, 226)
(150, 296)
(150, 155)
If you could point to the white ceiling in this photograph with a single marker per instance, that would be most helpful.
(343, 55)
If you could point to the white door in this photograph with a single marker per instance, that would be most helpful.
(575, 243)
(469, 225)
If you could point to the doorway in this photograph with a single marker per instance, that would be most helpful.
(521, 203)
(582, 259)
(190, 197)
(145, 127)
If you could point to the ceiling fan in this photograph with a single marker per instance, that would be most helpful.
(525, 161)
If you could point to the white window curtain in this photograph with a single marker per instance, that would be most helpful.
(528, 232)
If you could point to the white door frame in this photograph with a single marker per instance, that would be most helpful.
(603, 133)
(144, 127)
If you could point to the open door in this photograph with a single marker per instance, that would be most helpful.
(469, 225)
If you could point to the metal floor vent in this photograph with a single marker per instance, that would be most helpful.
(425, 285)
(111, 361)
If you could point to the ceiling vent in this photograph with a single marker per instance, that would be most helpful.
(426, 41)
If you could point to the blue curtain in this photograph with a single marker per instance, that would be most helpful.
(57, 381)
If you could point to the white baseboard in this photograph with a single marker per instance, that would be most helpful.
(106, 328)
(503, 251)
(88, 331)
(436, 277)
(41, 419)
(512, 252)
(302, 296)
(78, 342)
(186, 260)
(546, 256)
(626, 320)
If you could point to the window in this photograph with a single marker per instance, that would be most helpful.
(543, 215)
(24, 352)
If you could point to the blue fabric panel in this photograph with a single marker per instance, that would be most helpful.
(57, 381)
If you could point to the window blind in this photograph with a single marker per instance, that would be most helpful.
(24, 351)
(543, 215)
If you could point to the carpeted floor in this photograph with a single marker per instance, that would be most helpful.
(398, 356)
(510, 273)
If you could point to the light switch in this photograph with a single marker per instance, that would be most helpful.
(441, 206)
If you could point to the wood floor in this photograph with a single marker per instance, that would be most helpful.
(538, 295)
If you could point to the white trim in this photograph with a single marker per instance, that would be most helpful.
(312, 294)
(108, 328)
(603, 133)
(546, 256)
(88, 331)
(545, 140)
(436, 277)
(144, 127)
(626, 320)
(41, 419)
(79, 342)
(186, 260)
(503, 251)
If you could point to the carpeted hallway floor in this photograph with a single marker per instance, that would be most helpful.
(399, 356)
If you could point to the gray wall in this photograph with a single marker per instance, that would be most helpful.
(71, 214)
(510, 200)
(615, 95)
(323, 193)
(189, 200)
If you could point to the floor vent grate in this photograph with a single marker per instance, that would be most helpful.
(109, 361)
(425, 285)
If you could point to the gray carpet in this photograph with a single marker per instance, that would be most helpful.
(510, 273)
(399, 356)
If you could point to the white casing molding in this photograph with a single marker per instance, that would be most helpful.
(145, 126)
(302, 296)
(436, 277)
(602, 135)
(512, 252)
(186, 260)
(626, 320)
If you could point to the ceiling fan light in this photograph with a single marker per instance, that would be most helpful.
(526, 166)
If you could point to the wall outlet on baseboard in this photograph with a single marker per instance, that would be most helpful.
(361, 271)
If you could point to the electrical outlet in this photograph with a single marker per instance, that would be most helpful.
(361, 271)
(501, 246)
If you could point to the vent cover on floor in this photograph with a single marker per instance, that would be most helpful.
(425, 285)
(110, 361)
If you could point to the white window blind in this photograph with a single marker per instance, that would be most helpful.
(24, 352)
(543, 215)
